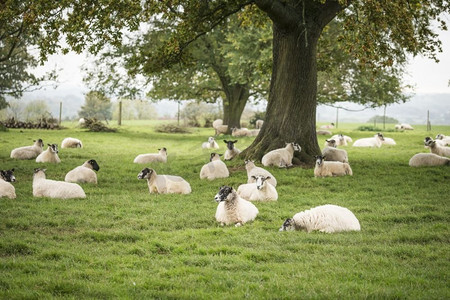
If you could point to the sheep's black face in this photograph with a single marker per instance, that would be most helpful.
(223, 193)
(145, 173)
(40, 142)
(53, 148)
(94, 164)
(319, 159)
(230, 144)
(288, 225)
(429, 141)
(260, 179)
(380, 136)
(8, 175)
(331, 143)
(296, 147)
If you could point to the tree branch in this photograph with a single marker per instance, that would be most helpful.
(279, 13)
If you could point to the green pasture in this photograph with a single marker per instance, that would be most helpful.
(122, 242)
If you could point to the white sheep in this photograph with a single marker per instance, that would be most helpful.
(239, 132)
(405, 126)
(259, 124)
(210, 144)
(323, 132)
(161, 156)
(281, 157)
(50, 155)
(84, 173)
(6, 188)
(341, 140)
(28, 152)
(261, 190)
(444, 140)
(71, 143)
(327, 218)
(81, 122)
(331, 168)
(164, 184)
(231, 151)
(437, 149)
(219, 127)
(398, 127)
(253, 170)
(329, 126)
(43, 187)
(331, 153)
(217, 122)
(232, 209)
(388, 141)
(214, 169)
(375, 141)
(428, 160)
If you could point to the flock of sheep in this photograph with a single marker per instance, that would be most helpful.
(234, 206)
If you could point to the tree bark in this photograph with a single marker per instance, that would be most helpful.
(236, 98)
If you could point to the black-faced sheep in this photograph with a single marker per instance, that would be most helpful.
(342, 140)
(428, 160)
(330, 168)
(71, 143)
(214, 169)
(152, 157)
(436, 149)
(232, 209)
(164, 184)
(325, 218)
(253, 170)
(231, 151)
(50, 155)
(28, 152)
(84, 173)
(6, 188)
(43, 187)
(375, 141)
(261, 190)
(281, 157)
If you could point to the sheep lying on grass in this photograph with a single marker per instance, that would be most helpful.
(71, 143)
(253, 170)
(84, 173)
(261, 190)
(214, 169)
(239, 132)
(428, 160)
(331, 168)
(210, 144)
(405, 126)
(323, 132)
(281, 157)
(329, 126)
(436, 149)
(342, 140)
(325, 218)
(375, 141)
(28, 152)
(388, 141)
(6, 188)
(333, 154)
(152, 157)
(50, 155)
(232, 151)
(43, 187)
(164, 184)
(444, 140)
(232, 209)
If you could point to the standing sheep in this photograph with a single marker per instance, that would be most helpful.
(28, 152)
(164, 184)
(232, 209)
(253, 170)
(325, 218)
(84, 173)
(333, 154)
(428, 160)
(436, 149)
(6, 188)
(261, 190)
(210, 144)
(214, 169)
(71, 143)
(281, 157)
(330, 168)
(43, 187)
(232, 151)
(375, 141)
(152, 157)
(219, 127)
(50, 155)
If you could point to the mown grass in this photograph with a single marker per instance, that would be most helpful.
(122, 242)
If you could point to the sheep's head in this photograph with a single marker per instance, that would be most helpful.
(295, 146)
(331, 143)
(145, 173)
(380, 136)
(210, 140)
(8, 175)
(225, 194)
(288, 225)
(319, 159)
(163, 150)
(249, 164)
(94, 164)
(429, 142)
(215, 156)
(260, 181)
(38, 171)
(440, 137)
(230, 144)
(53, 148)
(39, 142)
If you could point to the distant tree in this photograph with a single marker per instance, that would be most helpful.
(96, 105)
(197, 113)
(380, 119)
(135, 110)
(36, 109)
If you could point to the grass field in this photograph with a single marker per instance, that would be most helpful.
(122, 242)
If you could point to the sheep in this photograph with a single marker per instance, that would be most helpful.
(332, 154)
(281, 157)
(428, 160)
(261, 190)
(341, 140)
(398, 127)
(323, 132)
(50, 155)
(405, 126)
(214, 169)
(210, 144)
(231, 151)
(84, 173)
(71, 143)
(376, 141)
(6, 188)
(28, 152)
(388, 141)
(327, 218)
(436, 149)
(232, 209)
(239, 132)
(253, 132)
(219, 127)
(152, 157)
(253, 170)
(164, 184)
(443, 140)
(43, 187)
(259, 124)
(329, 126)
(217, 122)
(81, 122)
(331, 168)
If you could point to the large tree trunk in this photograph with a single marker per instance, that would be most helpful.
(236, 97)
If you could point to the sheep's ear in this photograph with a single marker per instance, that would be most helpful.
(254, 177)
(43, 170)
(219, 154)
(49, 145)
(268, 177)
(225, 141)
(235, 141)
(323, 157)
